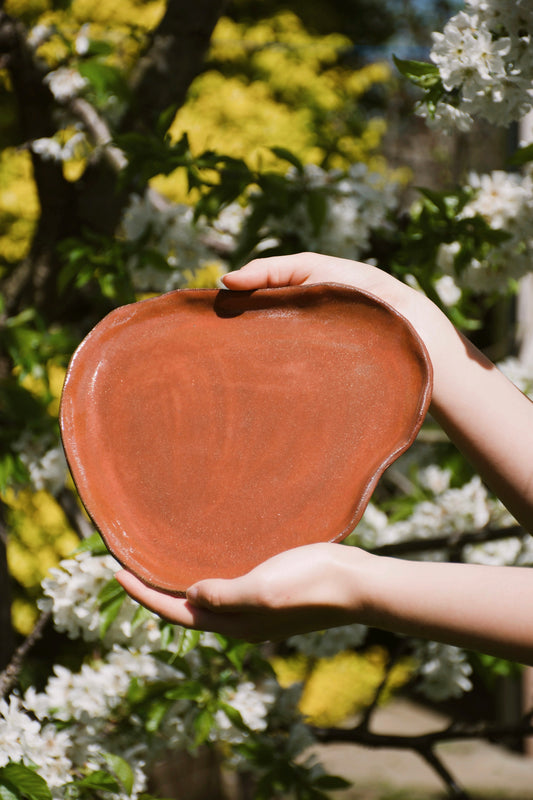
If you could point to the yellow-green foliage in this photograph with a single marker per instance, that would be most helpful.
(338, 687)
(285, 81)
(39, 538)
(205, 277)
(121, 23)
(19, 204)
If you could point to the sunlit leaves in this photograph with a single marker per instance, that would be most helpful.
(19, 782)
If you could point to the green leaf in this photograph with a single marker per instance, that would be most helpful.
(110, 599)
(121, 769)
(188, 641)
(104, 79)
(165, 120)
(173, 659)
(331, 782)
(234, 716)
(187, 690)
(421, 73)
(99, 781)
(19, 781)
(156, 714)
(93, 544)
(287, 155)
(202, 726)
(522, 156)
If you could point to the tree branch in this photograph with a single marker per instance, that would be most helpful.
(9, 676)
(449, 541)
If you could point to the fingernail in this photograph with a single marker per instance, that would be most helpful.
(192, 594)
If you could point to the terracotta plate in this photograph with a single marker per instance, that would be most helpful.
(208, 430)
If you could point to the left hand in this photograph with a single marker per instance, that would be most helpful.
(305, 589)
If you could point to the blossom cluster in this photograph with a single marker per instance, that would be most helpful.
(59, 731)
(443, 672)
(485, 61)
(169, 230)
(357, 202)
(447, 511)
(505, 201)
(44, 460)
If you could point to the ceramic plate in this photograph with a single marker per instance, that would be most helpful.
(208, 430)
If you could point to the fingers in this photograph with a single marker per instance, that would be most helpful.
(174, 609)
(181, 611)
(224, 596)
(265, 273)
(296, 270)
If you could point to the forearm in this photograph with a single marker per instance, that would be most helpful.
(468, 605)
(487, 417)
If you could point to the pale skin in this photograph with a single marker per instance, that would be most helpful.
(324, 585)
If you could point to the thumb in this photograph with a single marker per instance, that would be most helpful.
(221, 595)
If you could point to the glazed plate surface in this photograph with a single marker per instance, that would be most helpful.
(209, 430)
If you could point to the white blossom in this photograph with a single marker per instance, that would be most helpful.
(38, 35)
(94, 691)
(65, 83)
(253, 704)
(324, 644)
(170, 231)
(448, 291)
(444, 670)
(82, 42)
(357, 202)
(484, 54)
(22, 739)
(505, 201)
(517, 373)
(44, 460)
(49, 149)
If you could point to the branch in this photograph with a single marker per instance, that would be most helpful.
(454, 541)
(99, 132)
(437, 765)
(457, 731)
(424, 744)
(9, 676)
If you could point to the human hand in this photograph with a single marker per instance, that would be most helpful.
(308, 268)
(305, 589)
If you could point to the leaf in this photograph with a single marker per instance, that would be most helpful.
(93, 544)
(121, 769)
(19, 781)
(156, 714)
(187, 690)
(234, 716)
(188, 641)
(521, 156)
(165, 120)
(202, 726)
(287, 155)
(331, 782)
(104, 79)
(421, 73)
(110, 600)
(99, 781)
